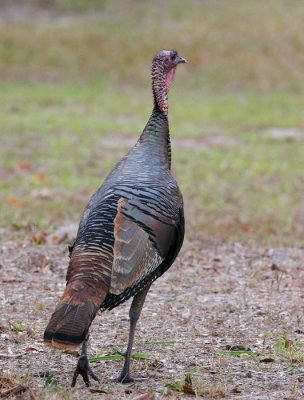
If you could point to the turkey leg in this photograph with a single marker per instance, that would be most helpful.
(83, 368)
(134, 313)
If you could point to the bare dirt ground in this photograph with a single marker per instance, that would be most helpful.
(234, 316)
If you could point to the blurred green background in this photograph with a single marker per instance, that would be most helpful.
(75, 95)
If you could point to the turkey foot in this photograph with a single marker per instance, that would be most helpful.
(83, 367)
(124, 376)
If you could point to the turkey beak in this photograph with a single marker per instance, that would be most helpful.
(181, 60)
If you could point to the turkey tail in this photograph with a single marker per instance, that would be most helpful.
(73, 315)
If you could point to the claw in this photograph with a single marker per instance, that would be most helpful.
(83, 368)
(124, 378)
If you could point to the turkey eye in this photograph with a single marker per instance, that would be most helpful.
(173, 55)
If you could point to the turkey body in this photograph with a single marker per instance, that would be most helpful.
(129, 234)
(142, 191)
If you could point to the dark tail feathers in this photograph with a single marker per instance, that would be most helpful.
(73, 316)
(69, 324)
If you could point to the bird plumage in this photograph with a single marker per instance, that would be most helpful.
(132, 229)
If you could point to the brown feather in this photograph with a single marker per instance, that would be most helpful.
(73, 315)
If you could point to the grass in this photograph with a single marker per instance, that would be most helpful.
(290, 349)
(75, 79)
(221, 41)
(284, 348)
(50, 144)
(16, 326)
(239, 352)
(196, 387)
(118, 356)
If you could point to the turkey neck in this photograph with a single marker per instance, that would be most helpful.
(156, 133)
(156, 139)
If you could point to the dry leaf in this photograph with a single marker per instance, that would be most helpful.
(72, 352)
(10, 388)
(267, 360)
(271, 231)
(6, 355)
(236, 389)
(97, 390)
(11, 279)
(187, 387)
(41, 194)
(14, 201)
(36, 348)
(40, 238)
(40, 177)
(56, 239)
(145, 396)
(24, 165)
(288, 343)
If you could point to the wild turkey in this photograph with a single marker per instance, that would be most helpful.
(129, 234)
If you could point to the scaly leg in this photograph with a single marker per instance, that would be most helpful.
(83, 368)
(134, 313)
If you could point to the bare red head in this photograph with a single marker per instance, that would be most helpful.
(163, 69)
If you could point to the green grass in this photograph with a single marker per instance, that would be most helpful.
(118, 356)
(291, 350)
(161, 342)
(252, 187)
(238, 353)
(284, 348)
(15, 326)
(221, 40)
(68, 85)
(196, 386)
